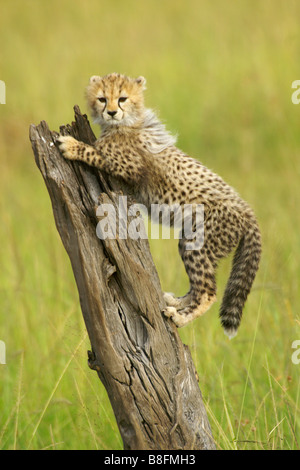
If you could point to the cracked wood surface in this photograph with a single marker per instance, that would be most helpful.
(148, 373)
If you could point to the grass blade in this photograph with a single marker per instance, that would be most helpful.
(55, 388)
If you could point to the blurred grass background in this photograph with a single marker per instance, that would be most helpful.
(220, 74)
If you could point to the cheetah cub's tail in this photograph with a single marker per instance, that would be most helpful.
(244, 268)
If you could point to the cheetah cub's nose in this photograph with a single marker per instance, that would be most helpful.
(112, 113)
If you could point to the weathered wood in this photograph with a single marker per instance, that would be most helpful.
(147, 371)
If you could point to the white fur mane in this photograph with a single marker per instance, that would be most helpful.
(157, 138)
(153, 133)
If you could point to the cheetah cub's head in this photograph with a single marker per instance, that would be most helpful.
(116, 100)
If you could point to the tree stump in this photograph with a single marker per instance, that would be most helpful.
(148, 373)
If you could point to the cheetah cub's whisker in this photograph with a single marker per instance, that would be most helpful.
(135, 146)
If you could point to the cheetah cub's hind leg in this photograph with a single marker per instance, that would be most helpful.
(183, 317)
(174, 303)
(200, 268)
(177, 302)
(188, 314)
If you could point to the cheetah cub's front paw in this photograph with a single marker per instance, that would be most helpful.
(68, 146)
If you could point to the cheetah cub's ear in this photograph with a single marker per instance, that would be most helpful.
(141, 81)
(95, 78)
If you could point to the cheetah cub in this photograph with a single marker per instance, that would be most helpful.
(135, 146)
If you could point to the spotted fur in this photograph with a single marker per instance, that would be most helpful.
(135, 147)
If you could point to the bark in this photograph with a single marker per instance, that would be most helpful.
(148, 373)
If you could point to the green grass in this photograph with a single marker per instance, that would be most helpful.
(220, 75)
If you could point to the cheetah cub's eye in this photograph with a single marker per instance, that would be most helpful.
(122, 99)
(102, 99)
